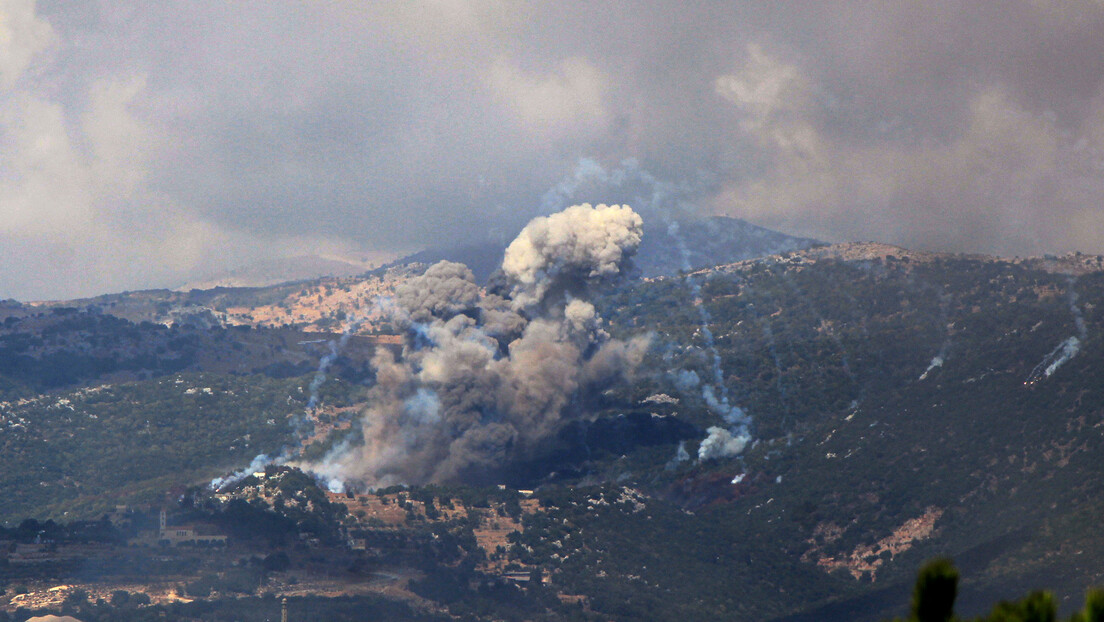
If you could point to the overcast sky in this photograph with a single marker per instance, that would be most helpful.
(144, 143)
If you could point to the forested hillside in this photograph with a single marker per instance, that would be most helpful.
(902, 406)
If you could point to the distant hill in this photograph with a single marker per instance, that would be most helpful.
(328, 304)
(483, 259)
(666, 250)
(64, 348)
(258, 297)
(282, 270)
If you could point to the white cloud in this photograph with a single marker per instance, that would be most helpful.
(77, 216)
(120, 142)
(571, 96)
(23, 36)
(172, 131)
(47, 187)
(1002, 181)
(765, 89)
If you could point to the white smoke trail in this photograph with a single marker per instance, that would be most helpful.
(733, 415)
(1064, 351)
(772, 348)
(303, 424)
(1078, 319)
(681, 455)
(937, 361)
(719, 442)
(258, 464)
(941, 356)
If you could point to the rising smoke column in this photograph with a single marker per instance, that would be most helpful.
(485, 377)
(664, 200)
(1063, 351)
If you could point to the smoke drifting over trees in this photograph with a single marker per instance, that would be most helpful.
(484, 376)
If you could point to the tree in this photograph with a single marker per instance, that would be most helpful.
(937, 585)
(1094, 607)
(936, 588)
(1036, 607)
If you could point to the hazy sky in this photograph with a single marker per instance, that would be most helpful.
(142, 143)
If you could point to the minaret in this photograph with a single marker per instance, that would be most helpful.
(283, 610)
(163, 523)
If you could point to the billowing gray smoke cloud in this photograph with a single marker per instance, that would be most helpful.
(484, 377)
(668, 202)
(722, 443)
(445, 290)
(576, 244)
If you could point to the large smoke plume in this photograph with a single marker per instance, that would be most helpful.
(669, 203)
(485, 376)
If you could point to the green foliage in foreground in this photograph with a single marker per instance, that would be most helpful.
(937, 585)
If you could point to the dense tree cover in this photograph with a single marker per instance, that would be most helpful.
(31, 530)
(65, 347)
(85, 451)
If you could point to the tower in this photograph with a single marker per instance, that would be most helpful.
(163, 520)
(283, 610)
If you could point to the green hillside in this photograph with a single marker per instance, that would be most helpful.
(903, 407)
(827, 358)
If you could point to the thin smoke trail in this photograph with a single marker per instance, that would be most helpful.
(381, 304)
(844, 359)
(1078, 318)
(772, 348)
(705, 319)
(1065, 350)
(720, 442)
(660, 198)
(941, 356)
(303, 424)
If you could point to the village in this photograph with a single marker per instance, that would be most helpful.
(163, 554)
